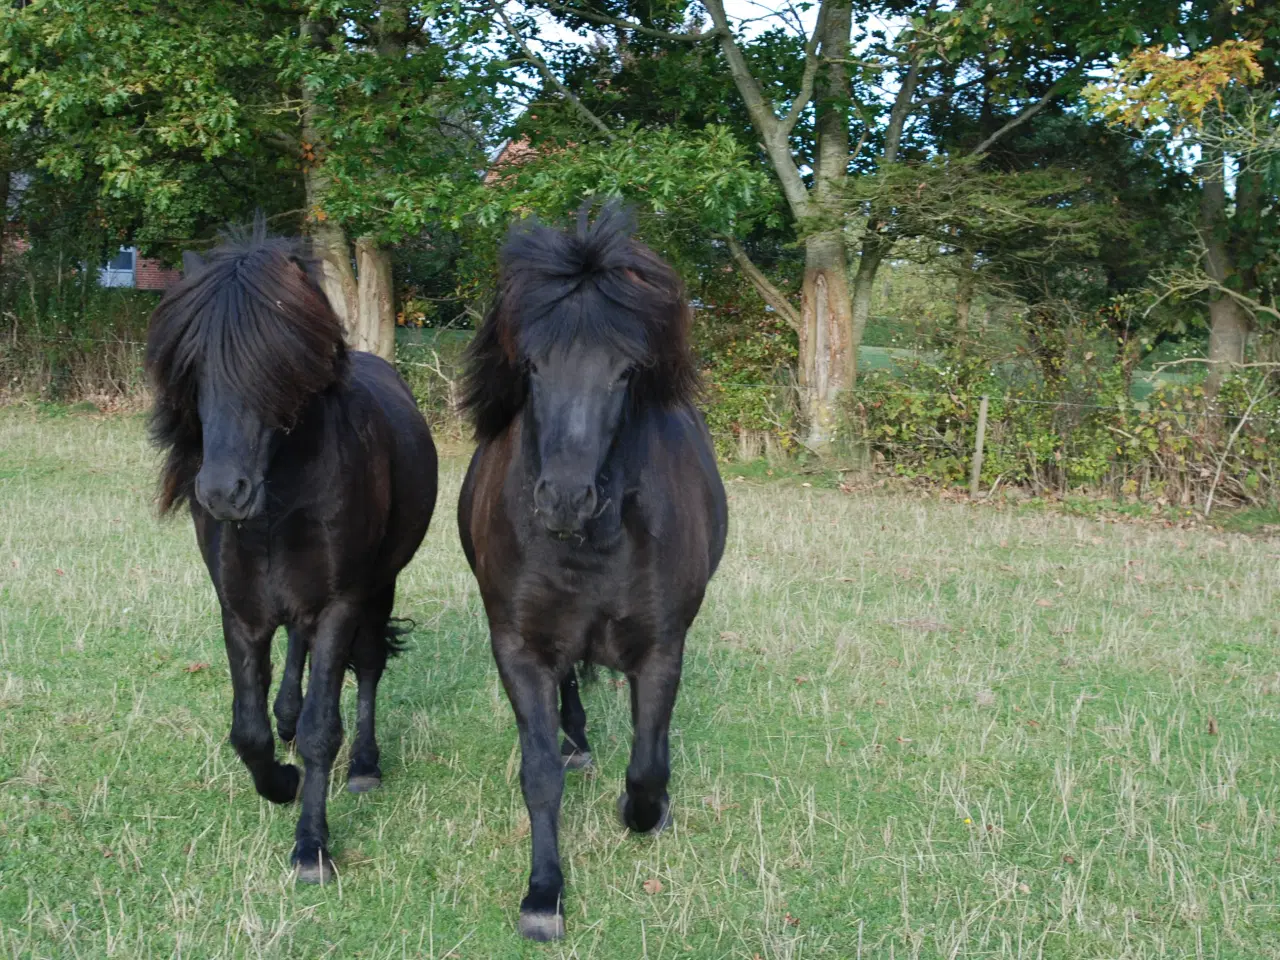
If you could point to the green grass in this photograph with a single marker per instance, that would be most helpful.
(908, 728)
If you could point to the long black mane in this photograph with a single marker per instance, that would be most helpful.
(252, 318)
(597, 284)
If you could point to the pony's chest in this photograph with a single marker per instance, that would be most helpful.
(583, 601)
(282, 572)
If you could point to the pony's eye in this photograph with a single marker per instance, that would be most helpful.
(626, 374)
(532, 367)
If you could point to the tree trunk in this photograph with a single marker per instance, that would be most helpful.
(328, 239)
(4, 201)
(329, 244)
(826, 318)
(375, 327)
(1228, 321)
(1228, 333)
(964, 298)
(827, 363)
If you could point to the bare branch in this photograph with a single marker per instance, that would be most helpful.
(547, 73)
(1260, 365)
(768, 292)
(762, 114)
(811, 62)
(593, 17)
(902, 102)
(1222, 460)
(901, 109)
(1024, 116)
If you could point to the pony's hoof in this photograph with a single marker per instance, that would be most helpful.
(283, 785)
(363, 783)
(577, 760)
(315, 870)
(286, 734)
(541, 926)
(631, 822)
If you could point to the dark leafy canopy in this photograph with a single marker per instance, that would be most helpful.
(404, 133)
(160, 107)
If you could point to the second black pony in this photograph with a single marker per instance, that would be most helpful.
(311, 477)
(592, 513)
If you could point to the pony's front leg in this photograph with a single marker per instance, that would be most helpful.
(320, 735)
(573, 720)
(249, 655)
(645, 807)
(531, 687)
(288, 703)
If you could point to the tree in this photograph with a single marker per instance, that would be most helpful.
(1216, 94)
(804, 116)
(354, 120)
(390, 135)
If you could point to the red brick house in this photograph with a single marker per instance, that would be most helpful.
(127, 269)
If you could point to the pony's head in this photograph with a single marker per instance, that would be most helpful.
(589, 326)
(234, 353)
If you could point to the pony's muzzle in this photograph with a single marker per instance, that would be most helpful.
(227, 494)
(564, 507)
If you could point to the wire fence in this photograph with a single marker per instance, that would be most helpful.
(1144, 448)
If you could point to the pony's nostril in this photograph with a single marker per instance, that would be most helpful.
(239, 493)
(541, 492)
(585, 501)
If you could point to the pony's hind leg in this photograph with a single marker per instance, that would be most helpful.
(645, 806)
(288, 703)
(249, 655)
(320, 735)
(369, 658)
(573, 720)
(531, 688)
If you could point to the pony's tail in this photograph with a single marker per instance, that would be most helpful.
(394, 635)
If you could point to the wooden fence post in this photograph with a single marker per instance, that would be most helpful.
(976, 471)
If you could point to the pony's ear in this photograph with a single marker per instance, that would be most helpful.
(191, 262)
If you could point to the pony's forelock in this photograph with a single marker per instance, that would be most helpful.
(594, 283)
(252, 317)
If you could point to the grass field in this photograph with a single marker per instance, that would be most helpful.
(908, 728)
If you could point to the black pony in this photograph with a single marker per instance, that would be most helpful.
(592, 514)
(311, 477)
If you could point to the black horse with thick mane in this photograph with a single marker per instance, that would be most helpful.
(592, 513)
(311, 477)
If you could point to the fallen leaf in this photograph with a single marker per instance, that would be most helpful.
(926, 626)
(1068, 858)
(1213, 727)
(801, 681)
(1023, 888)
(985, 698)
(195, 667)
(1044, 603)
(790, 921)
(653, 885)
(730, 635)
(718, 807)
